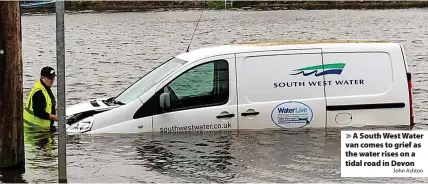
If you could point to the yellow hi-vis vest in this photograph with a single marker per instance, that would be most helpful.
(30, 120)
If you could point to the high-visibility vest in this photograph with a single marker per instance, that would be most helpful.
(30, 120)
(39, 142)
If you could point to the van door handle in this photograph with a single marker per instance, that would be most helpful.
(249, 113)
(226, 116)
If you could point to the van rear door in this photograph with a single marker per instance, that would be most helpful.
(368, 86)
(280, 89)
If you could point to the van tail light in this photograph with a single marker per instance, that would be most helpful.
(410, 88)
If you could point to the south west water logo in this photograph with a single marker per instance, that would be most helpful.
(327, 69)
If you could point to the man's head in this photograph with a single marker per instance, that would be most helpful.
(48, 75)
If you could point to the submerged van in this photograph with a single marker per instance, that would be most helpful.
(255, 86)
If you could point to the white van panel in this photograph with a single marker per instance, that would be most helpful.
(143, 125)
(357, 74)
(268, 78)
(118, 116)
(383, 97)
(275, 93)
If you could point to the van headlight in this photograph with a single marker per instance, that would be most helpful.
(82, 125)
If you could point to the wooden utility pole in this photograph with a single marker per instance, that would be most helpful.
(11, 88)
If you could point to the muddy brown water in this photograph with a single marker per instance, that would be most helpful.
(106, 52)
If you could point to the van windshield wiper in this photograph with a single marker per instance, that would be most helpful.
(117, 102)
(113, 100)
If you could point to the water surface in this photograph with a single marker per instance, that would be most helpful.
(106, 52)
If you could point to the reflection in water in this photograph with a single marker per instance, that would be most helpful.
(41, 155)
(40, 159)
(195, 156)
(12, 175)
(303, 155)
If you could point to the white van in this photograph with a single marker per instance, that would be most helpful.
(254, 86)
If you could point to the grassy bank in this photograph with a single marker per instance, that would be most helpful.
(243, 5)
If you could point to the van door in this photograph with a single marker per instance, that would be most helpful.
(203, 98)
(364, 88)
(280, 89)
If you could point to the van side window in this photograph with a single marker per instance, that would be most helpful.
(201, 86)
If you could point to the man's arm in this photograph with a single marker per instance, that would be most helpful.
(39, 105)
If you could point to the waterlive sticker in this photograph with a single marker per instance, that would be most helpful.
(384, 153)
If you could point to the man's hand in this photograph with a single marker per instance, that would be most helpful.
(52, 117)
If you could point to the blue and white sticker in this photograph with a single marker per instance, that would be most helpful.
(292, 115)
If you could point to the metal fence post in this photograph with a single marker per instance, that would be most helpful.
(60, 54)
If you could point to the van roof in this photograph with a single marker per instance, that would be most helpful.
(300, 42)
(201, 53)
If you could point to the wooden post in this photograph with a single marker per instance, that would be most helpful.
(11, 86)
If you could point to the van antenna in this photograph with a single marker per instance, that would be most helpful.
(194, 31)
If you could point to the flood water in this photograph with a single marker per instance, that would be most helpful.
(106, 52)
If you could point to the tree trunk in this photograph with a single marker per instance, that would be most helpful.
(11, 86)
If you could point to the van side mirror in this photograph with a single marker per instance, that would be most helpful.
(165, 101)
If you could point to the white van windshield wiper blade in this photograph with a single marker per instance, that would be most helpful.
(114, 101)
(118, 102)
